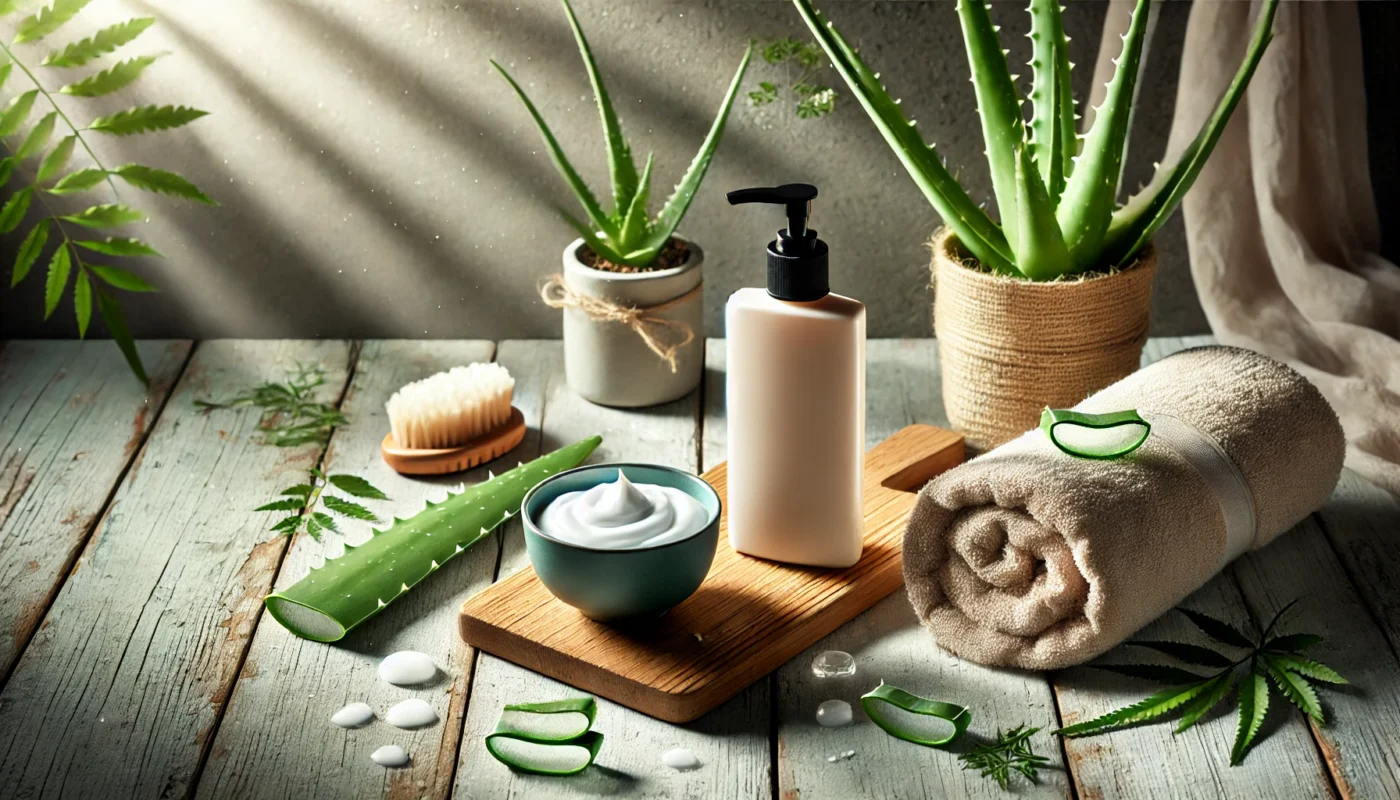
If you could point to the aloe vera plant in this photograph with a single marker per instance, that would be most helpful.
(348, 590)
(626, 235)
(1055, 191)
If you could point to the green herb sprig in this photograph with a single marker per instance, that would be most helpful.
(1011, 752)
(291, 417)
(812, 98)
(1269, 658)
(291, 414)
(48, 180)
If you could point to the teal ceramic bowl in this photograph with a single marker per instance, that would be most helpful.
(625, 584)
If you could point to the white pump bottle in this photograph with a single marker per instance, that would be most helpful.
(795, 402)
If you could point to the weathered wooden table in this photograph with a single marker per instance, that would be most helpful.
(137, 660)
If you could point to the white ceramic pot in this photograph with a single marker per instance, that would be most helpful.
(608, 362)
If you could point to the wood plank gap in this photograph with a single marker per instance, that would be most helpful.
(352, 359)
(97, 518)
(473, 660)
(1375, 614)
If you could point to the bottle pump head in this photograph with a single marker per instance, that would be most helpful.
(797, 259)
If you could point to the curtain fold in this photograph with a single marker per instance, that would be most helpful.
(1281, 225)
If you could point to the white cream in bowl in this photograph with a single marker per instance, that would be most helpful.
(621, 515)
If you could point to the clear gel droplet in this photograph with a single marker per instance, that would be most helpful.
(834, 714)
(834, 664)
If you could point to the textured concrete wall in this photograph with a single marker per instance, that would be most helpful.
(377, 179)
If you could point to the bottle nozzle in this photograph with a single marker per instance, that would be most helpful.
(796, 198)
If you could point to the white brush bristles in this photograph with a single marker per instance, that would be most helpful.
(451, 408)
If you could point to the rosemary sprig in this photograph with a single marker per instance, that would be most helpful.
(1011, 752)
(291, 417)
(1269, 658)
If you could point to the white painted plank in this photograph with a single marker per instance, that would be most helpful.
(72, 417)
(732, 740)
(1150, 762)
(118, 692)
(1358, 742)
(276, 738)
(902, 388)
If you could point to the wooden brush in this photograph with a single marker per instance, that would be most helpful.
(452, 421)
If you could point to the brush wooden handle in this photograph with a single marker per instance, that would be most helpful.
(486, 447)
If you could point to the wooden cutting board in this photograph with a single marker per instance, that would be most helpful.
(749, 617)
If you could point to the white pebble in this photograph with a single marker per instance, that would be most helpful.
(413, 713)
(834, 714)
(353, 715)
(680, 759)
(407, 667)
(390, 755)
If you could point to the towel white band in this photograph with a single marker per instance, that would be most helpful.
(1224, 478)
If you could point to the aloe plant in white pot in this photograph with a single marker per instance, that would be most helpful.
(631, 286)
(1050, 304)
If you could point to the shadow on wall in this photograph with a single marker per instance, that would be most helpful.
(378, 180)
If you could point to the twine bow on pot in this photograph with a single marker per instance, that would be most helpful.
(663, 336)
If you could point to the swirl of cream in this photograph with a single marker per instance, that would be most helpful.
(621, 514)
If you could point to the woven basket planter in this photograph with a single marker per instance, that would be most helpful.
(1010, 347)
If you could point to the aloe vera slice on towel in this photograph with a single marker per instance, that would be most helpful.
(547, 738)
(932, 723)
(334, 598)
(1101, 436)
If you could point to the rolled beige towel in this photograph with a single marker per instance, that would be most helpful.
(1029, 557)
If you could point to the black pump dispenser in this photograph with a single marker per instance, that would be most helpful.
(797, 259)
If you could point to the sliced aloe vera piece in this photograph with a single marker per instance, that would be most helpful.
(346, 591)
(560, 758)
(555, 721)
(932, 723)
(1101, 436)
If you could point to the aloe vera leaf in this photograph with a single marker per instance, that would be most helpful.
(1052, 125)
(1133, 225)
(332, 599)
(999, 106)
(620, 164)
(879, 701)
(597, 244)
(679, 201)
(595, 212)
(977, 232)
(634, 223)
(1041, 254)
(1087, 204)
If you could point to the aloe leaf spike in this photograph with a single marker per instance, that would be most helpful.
(999, 106)
(1088, 200)
(1052, 125)
(334, 598)
(968, 221)
(620, 164)
(1040, 251)
(595, 212)
(634, 223)
(1133, 225)
(679, 201)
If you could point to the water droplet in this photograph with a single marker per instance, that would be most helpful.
(834, 714)
(834, 664)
